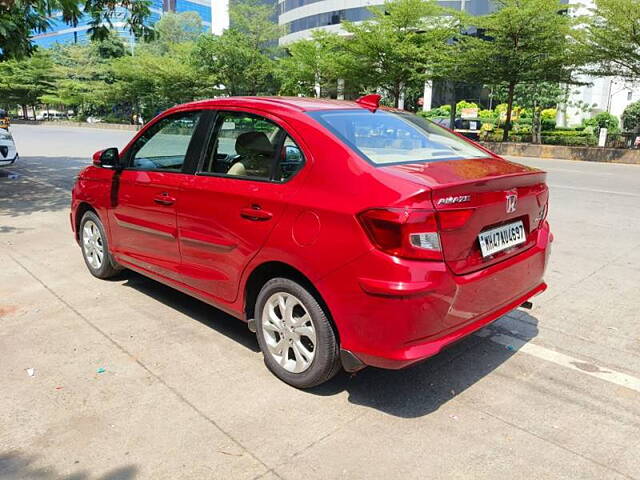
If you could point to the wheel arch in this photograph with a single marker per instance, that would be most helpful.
(81, 209)
(274, 269)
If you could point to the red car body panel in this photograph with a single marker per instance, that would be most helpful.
(388, 311)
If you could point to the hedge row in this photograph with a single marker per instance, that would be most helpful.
(554, 137)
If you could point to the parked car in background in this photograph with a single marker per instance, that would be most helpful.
(468, 127)
(5, 121)
(51, 115)
(344, 234)
(8, 152)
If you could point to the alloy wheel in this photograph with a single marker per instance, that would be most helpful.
(92, 244)
(289, 332)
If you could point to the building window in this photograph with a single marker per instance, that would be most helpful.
(629, 95)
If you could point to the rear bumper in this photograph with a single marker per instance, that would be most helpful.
(421, 307)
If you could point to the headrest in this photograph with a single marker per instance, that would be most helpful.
(253, 143)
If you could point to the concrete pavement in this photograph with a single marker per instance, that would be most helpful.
(552, 393)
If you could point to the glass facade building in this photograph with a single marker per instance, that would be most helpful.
(301, 17)
(63, 33)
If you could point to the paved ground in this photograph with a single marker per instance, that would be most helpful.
(552, 393)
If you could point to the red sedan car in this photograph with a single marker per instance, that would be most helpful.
(345, 234)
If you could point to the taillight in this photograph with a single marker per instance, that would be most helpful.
(404, 233)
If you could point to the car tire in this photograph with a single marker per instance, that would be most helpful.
(95, 247)
(299, 344)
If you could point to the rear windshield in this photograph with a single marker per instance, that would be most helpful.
(386, 138)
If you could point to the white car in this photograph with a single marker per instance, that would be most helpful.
(51, 115)
(8, 152)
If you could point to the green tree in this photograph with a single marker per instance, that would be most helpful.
(613, 38)
(151, 82)
(524, 42)
(20, 18)
(400, 44)
(241, 60)
(254, 19)
(535, 97)
(231, 61)
(318, 61)
(605, 120)
(25, 81)
(631, 116)
(175, 28)
(83, 75)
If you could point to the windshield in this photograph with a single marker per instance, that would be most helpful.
(386, 138)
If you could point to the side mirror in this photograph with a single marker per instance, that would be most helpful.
(109, 158)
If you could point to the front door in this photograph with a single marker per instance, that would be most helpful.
(234, 200)
(146, 193)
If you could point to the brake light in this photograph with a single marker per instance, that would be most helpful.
(403, 232)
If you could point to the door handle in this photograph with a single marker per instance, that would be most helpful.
(164, 199)
(255, 213)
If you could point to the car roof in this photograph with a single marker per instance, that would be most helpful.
(300, 104)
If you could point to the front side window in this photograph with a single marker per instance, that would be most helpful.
(250, 146)
(164, 145)
(386, 138)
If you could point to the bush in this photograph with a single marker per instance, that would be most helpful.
(115, 119)
(568, 133)
(464, 104)
(487, 114)
(631, 116)
(496, 136)
(442, 111)
(501, 108)
(522, 128)
(548, 124)
(569, 140)
(604, 120)
(548, 114)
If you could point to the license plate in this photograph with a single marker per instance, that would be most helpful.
(501, 238)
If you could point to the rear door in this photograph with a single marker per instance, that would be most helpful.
(235, 199)
(146, 193)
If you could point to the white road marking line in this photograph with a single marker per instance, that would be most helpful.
(608, 375)
(594, 190)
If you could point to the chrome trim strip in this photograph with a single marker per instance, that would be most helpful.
(217, 246)
(140, 228)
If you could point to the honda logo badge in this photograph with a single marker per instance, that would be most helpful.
(512, 201)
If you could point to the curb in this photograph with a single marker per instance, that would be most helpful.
(585, 154)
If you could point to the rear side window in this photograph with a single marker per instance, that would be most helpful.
(250, 146)
(387, 138)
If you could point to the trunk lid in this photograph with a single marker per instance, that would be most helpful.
(481, 186)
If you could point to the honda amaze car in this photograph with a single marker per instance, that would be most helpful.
(344, 234)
